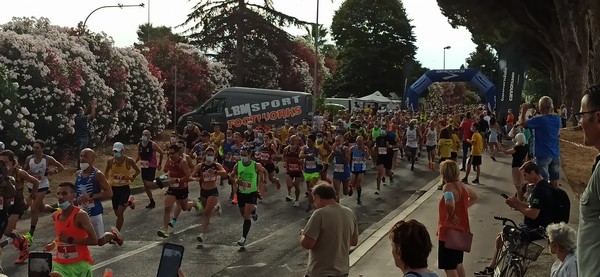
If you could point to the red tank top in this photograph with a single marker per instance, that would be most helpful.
(175, 171)
(292, 162)
(460, 209)
(71, 253)
(266, 155)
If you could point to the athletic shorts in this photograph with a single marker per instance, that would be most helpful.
(295, 174)
(46, 189)
(453, 155)
(83, 269)
(148, 174)
(247, 198)
(228, 166)
(310, 176)
(430, 148)
(385, 160)
(411, 151)
(269, 167)
(98, 225)
(342, 176)
(449, 259)
(180, 194)
(120, 196)
(3, 221)
(17, 208)
(475, 160)
(358, 172)
(206, 193)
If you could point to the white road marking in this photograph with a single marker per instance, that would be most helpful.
(139, 250)
(252, 265)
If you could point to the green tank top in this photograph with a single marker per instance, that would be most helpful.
(375, 133)
(248, 175)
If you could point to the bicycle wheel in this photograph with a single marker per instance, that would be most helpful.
(514, 269)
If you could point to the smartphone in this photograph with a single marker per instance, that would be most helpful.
(40, 264)
(170, 260)
(504, 195)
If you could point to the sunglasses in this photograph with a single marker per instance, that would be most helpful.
(583, 113)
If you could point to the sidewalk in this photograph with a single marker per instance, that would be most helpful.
(373, 256)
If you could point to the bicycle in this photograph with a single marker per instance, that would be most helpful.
(517, 250)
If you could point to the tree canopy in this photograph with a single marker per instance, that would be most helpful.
(374, 42)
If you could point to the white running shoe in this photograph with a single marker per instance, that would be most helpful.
(296, 204)
(241, 242)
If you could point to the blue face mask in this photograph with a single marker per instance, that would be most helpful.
(209, 159)
(245, 159)
(117, 154)
(65, 205)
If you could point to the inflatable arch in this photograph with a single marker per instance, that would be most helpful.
(451, 75)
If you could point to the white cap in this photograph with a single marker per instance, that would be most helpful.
(2, 145)
(118, 146)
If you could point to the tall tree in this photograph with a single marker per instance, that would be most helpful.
(485, 60)
(560, 37)
(375, 40)
(233, 27)
(147, 31)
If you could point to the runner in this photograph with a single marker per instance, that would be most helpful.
(310, 154)
(267, 153)
(341, 169)
(118, 168)
(92, 188)
(40, 166)
(246, 175)
(228, 162)
(209, 192)
(412, 137)
(476, 142)
(177, 175)
(293, 168)
(383, 148)
(12, 180)
(431, 144)
(146, 155)
(324, 154)
(198, 150)
(74, 232)
(191, 134)
(445, 145)
(360, 154)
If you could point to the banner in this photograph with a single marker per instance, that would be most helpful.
(512, 64)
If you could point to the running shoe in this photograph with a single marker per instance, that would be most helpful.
(289, 198)
(172, 223)
(377, 191)
(118, 237)
(308, 210)
(392, 177)
(200, 238)
(241, 242)
(358, 201)
(260, 196)
(254, 215)
(350, 191)
(159, 183)
(493, 158)
(151, 205)
(29, 238)
(296, 204)
(234, 200)
(231, 196)
(476, 181)
(131, 202)
(198, 206)
(487, 271)
(383, 179)
(163, 233)
(21, 244)
(219, 209)
(464, 180)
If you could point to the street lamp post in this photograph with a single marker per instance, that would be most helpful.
(141, 5)
(445, 48)
(316, 73)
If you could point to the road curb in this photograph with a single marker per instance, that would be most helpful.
(380, 229)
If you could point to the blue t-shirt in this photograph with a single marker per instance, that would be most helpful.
(546, 135)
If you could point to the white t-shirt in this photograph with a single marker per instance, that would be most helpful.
(39, 172)
(411, 138)
(431, 137)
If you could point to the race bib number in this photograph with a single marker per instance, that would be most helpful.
(294, 167)
(382, 150)
(246, 185)
(39, 177)
(338, 168)
(264, 156)
(120, 179)
(88, 206)
(67, 251)
(311, 164)
(144, 164)
(209, 177)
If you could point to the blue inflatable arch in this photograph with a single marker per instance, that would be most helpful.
(452, 75)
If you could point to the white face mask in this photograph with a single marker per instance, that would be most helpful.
(84, 166)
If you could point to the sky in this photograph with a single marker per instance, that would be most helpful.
(432, 30)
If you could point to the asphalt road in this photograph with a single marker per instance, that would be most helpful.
(273, 242)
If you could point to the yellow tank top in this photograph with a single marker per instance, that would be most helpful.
(119, 174)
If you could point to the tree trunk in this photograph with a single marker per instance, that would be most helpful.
(239, 44)
(594, 24)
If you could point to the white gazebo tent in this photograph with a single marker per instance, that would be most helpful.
(379, 99)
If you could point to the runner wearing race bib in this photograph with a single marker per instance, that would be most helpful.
(146, 155)
(118, 169)
(384, 145)
(310, 154)
(324, 152)
(293, 168)
(341, 166)
(235, 158)
(412, 137)
(266, 155)
(359, 156)
(431, 144)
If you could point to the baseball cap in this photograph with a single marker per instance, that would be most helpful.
(2, 145)
(118, 147)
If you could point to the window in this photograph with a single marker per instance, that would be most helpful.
(216, 105)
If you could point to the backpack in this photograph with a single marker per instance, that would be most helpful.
(561, 208)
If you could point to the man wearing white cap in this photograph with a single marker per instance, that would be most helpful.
(118, 171)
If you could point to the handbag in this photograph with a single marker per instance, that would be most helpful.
(458, 240)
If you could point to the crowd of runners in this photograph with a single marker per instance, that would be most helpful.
(338, 149)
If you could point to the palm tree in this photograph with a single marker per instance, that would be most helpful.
(232, 26)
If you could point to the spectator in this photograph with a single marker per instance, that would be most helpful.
(588, 241)
(519, 152)
(411, 246)
(537, 212)
(547, 149)
(328, 234)
(453, 214)
(562, 241)
(563, 115)
(82, 129)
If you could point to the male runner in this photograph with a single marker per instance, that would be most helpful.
(341, 166)
(310, 154)
(293, 168)
(431, 135)
(39, 165)
(267, 153)
(246, 175)
(412, 137)
(92, 188)
(383, 148)
(118, 168)
(147, 150)
(360, 154)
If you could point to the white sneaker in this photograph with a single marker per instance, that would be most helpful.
(241, 242)
(219, 209)
(296, 204)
